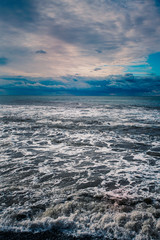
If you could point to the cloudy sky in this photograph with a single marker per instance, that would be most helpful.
(86, 47)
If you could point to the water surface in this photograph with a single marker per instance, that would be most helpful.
(82, 165)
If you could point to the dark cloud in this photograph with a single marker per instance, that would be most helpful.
(18, 13)
(31, 81)
(41, 52)
(3, 61)
(77, 34)
(97, 69)
(157, 2)
(127, 84)
(129, 77)
(98, 51)
(72, 23)
(114, 84)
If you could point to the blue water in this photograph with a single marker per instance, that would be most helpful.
(150, 101)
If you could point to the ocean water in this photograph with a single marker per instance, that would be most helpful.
(87, 166)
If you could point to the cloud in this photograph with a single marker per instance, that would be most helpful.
(3, 61)
(17, 13)
(92, 39)
(127, 84)
(41, 52)
(97, 69)
(98, 51)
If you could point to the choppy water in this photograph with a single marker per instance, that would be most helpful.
(86, 165)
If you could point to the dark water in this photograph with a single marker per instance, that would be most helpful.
(81, 165)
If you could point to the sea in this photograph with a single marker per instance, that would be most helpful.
(79, 167)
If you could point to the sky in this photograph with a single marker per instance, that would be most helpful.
(81, 47)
